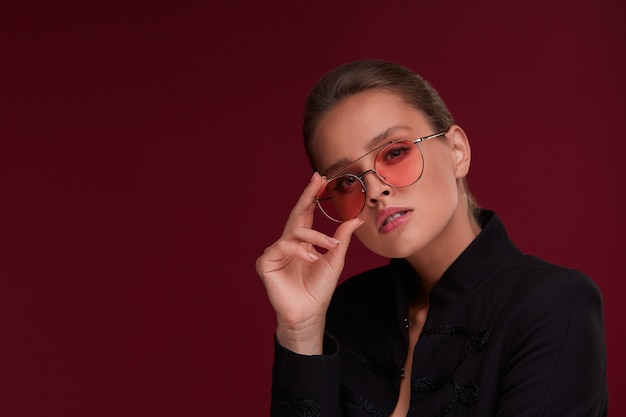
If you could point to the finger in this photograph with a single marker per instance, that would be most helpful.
(281, 253)
(302, 212)
(313, 237)
(343, 234)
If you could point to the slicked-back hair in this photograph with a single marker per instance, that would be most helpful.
(355, 77)
(359, 76)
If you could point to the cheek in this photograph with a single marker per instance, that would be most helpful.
(439, 180)
(442, 199)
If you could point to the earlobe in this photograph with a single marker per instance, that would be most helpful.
(461, 149)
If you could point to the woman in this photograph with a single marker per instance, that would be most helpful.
(460, 322)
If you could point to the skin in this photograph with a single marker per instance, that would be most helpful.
(432, 233)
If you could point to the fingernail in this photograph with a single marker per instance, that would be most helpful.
(333, 240)
(313, 256)
(314, 174)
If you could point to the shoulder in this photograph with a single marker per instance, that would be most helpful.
(546, 283)
(550, 299)
(552, 336)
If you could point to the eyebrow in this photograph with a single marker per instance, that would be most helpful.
(339, 165)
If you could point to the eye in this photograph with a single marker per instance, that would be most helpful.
(344, 184)
(396, 152)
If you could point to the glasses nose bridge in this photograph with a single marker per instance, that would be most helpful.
(373, 171)
(364, 173)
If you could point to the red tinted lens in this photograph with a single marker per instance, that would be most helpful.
(342, 198)
(400, 163)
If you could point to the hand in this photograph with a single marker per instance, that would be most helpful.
(300, 280)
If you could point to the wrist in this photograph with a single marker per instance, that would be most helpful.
(304, 339)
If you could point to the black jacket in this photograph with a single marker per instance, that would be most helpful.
(506, 335)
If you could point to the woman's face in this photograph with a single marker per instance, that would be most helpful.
(426, 213)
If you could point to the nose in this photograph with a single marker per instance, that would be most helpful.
(375, 188)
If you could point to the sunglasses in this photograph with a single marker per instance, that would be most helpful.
(399, 163)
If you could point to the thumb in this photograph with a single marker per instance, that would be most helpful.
(343, 234)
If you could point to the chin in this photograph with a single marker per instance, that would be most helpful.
(391, 245)
(397, 250)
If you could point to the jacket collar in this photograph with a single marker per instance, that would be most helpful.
(486, 252)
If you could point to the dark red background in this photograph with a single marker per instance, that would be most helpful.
(149, 153)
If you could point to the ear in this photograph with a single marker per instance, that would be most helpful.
(462, 152)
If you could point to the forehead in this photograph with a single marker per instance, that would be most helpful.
(361, 122)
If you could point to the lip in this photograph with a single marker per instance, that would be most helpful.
(395, 223)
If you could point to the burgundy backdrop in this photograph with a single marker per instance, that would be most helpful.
(149, 153)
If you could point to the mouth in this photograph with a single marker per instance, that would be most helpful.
(393, 217)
